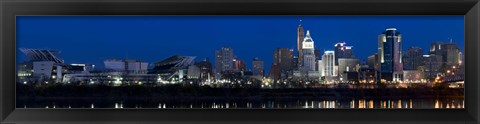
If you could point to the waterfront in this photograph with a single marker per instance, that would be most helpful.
(244, 104)
(329, 73)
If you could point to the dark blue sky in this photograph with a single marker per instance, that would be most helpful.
(92, 39)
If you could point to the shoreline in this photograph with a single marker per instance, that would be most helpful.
(191, 92)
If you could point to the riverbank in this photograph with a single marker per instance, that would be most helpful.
(179, 92)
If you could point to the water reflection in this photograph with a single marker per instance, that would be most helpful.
(352, 103)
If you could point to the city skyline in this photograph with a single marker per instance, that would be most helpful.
(243, 50)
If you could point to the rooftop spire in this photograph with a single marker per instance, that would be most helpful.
(308, 38)
(308, 33)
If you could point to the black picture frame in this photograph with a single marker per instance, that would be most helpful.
(9, 9)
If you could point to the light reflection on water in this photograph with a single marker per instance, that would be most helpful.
(328, 104)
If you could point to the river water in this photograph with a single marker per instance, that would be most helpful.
(254, 104)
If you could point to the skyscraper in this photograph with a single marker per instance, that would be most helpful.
(390, 53)
(300, 38)
(274, 72)
(284, 58)
(449, 53)
(295, 62)
(224, 60)
(318, 56)
(308, 53)
(431, 65)
(257, 67)
(328, 61)
(413, 58)
(239, 65)
(342, 51)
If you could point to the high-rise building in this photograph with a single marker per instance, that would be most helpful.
(449, 52)
(239, 65)
(295, 62)
(274, 72)
(300, 38)
(342, 51)
(318, 56)
(308, 53)
(224, 60)
(413, 58)
(328, 61)
(283, 57)
(258, 69)
(431, 65)
(390, 53)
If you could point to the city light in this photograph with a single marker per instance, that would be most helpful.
(324, 72)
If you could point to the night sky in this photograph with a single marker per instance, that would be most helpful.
(92, 39)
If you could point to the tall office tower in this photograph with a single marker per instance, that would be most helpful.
(224, 60)
(431, 65)
(283, 57)
(449, 53)
(328, 61)
(318, 56)
(390, 53)
(413, 58)
(239, 65)
(257, 67)
(205, 69)
(342, 51)
(274, 72)
(308, 53)
(295, 62)
(300, 38)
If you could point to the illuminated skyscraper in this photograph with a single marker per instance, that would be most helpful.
(328, 61)
(308, 53)
(390, 53)
(300, 38)
(342, 51)
(224, 60)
